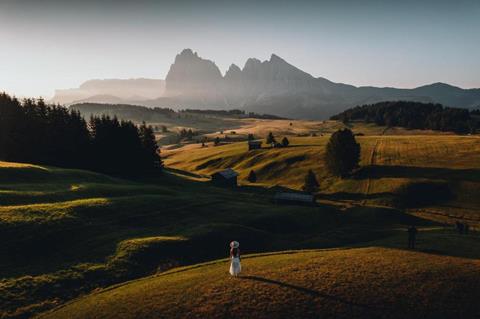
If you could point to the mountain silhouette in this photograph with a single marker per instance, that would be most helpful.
(273, 86)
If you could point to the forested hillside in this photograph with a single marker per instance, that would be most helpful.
(413, 115)
(34, 132)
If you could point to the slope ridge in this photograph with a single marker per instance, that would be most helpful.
(361, 283)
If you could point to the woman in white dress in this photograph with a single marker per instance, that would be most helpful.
(235, 266)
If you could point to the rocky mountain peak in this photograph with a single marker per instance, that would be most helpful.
(233, 73)
(275, 58)
(190, 74)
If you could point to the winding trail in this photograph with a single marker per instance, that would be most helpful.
(371, 161)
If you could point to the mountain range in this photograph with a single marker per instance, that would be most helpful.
(273, 86)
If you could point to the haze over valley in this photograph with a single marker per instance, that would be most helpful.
(273, 86)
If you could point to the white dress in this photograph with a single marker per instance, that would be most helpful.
(235, 266)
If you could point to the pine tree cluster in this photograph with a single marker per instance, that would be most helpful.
(33, 132)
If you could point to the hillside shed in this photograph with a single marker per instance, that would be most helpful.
(294, 199)
(254, 145)
(226, 177)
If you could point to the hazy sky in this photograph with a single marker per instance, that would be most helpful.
(49, 44)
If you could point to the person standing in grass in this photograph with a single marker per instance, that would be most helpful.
(235, 266)
(412, 237)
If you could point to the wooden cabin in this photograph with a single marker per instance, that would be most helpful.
(294, 199)
(224, 178)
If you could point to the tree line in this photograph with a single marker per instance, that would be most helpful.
(32, 131)
(413, 115)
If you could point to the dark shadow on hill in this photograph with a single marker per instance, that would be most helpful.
(382, 171)
(442, 241)
(353, 196)
(307, 291)
(184, 173)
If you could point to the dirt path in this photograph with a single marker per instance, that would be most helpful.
(372, 161)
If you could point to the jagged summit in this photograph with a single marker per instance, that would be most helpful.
(278, 87)
(276, 58)
(233, 73)
(192, 75)
(271, 86)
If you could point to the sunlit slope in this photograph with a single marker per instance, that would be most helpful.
(352, 283)
(66, 232)
(389, 162)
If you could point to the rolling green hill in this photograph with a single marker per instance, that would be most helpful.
(345, 283)
(392, 167)
(67, 232)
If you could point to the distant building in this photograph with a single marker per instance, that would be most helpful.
(294, 199)
(254, 145)
(226, 177)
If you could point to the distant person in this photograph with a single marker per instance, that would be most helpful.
(460, 227)
(235, 266)
(412, 237)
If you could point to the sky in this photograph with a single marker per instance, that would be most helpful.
(55, 44)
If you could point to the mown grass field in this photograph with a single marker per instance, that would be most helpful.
(345, 283)
(390, 163)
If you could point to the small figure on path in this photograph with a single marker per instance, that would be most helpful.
(235, 266)
(460, 227)
(412, 236)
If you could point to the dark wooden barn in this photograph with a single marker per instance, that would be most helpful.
(254, 145)
(226, 177)
(294, 199)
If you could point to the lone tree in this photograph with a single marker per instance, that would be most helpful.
(342, 155)
(252, 177)
(271, 139)
(311, 183)
(285, 142)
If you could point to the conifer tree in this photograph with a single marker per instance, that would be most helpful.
(311, 184)
(149, 146)
(342, 154)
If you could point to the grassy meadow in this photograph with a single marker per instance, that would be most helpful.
(391, 162)
(344, 283)
(67, 232)
(73, 235)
